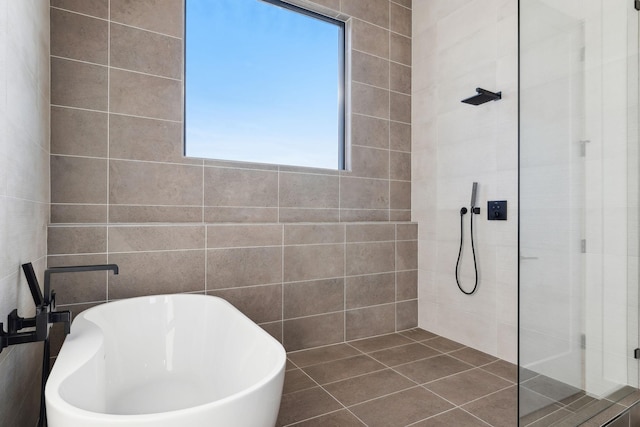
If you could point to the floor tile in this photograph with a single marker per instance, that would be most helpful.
(305, 404)
(378, 343)
(527, 374)
(531, 417)
(443, 344)
(498, 409)
(404, 354)
(473, 356)
(418, 334)
(503, 369)
(553, 389)
(432, 369)
(341, 418)
(625, 396)
(467, 386)
(531, 403)
(366, 387)
(341, 369)
(290, 365)
(296, 380)
(321, 355)
(455, 417)
(546, 421)
(401, 408)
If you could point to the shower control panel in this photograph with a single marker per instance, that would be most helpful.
(497, 210)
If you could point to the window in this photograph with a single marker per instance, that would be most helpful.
(264, 82)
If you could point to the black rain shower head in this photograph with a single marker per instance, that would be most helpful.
(482, 97)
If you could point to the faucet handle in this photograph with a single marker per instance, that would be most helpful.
(34, 287)
(61, 316)
(16, 323)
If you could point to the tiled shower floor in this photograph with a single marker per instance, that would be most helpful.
(409, 378)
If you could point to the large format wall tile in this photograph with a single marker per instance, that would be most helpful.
(155, 140)
(313, 297)
(313, 331)
(373, 11)
(238, 187)
(309, 262)
(80, 37)
(260, 303)
(97, 8)
(143, 183)
(146, 52)
(77, 84)
(143, 95)
(236, 236)
(161, 16)
(78, 180)
(367, 258)
(370, 321)
(308, 191)
(74, 288)
(370, 38)
(79, 132)
(284, 244)
(152, 273)
(155, 238)
(237, 267)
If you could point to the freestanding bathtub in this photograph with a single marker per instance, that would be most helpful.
(170, 360)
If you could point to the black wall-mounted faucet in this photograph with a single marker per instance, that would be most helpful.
(44, 318)
(45, 307)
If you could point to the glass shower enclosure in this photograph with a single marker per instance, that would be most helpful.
(578, 282)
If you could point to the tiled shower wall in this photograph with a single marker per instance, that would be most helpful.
(24, 192)
(459, 46)
(315, 256)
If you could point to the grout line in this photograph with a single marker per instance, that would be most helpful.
(344, 282)
(382, 57)
(108, 135)
(380, 149)
(381, 27)
(314, 417)
(281, 276)
(381, 88)
(386, 366)
(206, 261)
(71, 107)
(203, 198)
(108, 20)
(383, 118)
(109, 67)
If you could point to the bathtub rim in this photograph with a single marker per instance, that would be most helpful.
(57, 377)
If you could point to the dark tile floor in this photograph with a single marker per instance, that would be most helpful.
(412, 378)
(546, 402)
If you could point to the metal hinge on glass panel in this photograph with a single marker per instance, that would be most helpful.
(583, 145)
(636, 353)
(637, 4)
(583, 246)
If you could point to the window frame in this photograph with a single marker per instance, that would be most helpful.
(342, 83)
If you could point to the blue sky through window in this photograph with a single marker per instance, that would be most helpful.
(261, 84)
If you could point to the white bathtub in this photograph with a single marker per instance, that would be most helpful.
(171, 360)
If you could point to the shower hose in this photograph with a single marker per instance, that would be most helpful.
(463, 211)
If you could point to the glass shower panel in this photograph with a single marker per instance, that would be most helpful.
(578, 207)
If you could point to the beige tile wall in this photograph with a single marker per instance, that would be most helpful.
(457, 47)
(24, 191)
(315, 256)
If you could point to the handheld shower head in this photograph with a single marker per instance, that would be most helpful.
(474, 190)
